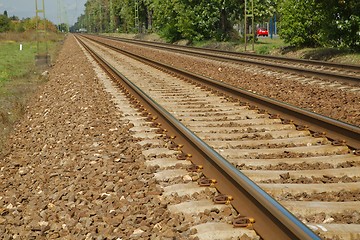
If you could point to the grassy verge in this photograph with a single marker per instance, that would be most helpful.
(19, 78)
(11, 58)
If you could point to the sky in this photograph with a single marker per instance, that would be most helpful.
(68, 12)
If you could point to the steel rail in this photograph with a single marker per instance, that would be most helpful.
(306, 61)
(334, 129)
(273, 221)
(230, 57)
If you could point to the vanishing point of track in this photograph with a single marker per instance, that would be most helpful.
(249, 132)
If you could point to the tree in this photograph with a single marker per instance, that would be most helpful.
(14, 18)
(165, 19)
(63, 27)
(301, 21)
(327, 23)
(341, 25)
(193, 20)
(4, 23)
(173, 19)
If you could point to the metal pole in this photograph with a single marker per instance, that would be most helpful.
(249, 13)
(137, 25)
(37, 26)
(271, 27)
(100, 13)
(245, 23)
(41, 58)
(252, 24)
(112, 18)
(59, 15)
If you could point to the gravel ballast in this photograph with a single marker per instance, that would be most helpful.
(335, 102)
(73, 170)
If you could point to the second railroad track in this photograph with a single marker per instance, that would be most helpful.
(290, 173)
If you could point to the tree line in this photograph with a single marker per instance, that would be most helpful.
(14, 24)
(302, 23)
(324, 23)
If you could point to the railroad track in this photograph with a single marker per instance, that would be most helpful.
(340, 73)
(308, 173)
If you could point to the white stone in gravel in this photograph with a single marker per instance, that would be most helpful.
(187, 178)
(158, 226)
(328, 220)
(43, 223)
(342, 231)
(50, 205)
(23, 171)
(9, 206)
(104, 195)
(137, 232)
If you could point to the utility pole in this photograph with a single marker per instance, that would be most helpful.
(249, 13)
(137, 26)
(100, 13)
(42, 57)
(76, 10)
(62, 17)
(59, 14)
(66, 19)
(112, 17)
(87, 23)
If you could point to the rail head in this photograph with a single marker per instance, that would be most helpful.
(240, 54)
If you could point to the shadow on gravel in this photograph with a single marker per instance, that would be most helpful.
(324, 54)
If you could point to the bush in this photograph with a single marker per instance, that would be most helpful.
(4, 23)
(327, 23)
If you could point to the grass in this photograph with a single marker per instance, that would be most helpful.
(19, 77)
(267, 45)
(263, 45)
(11, 58)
